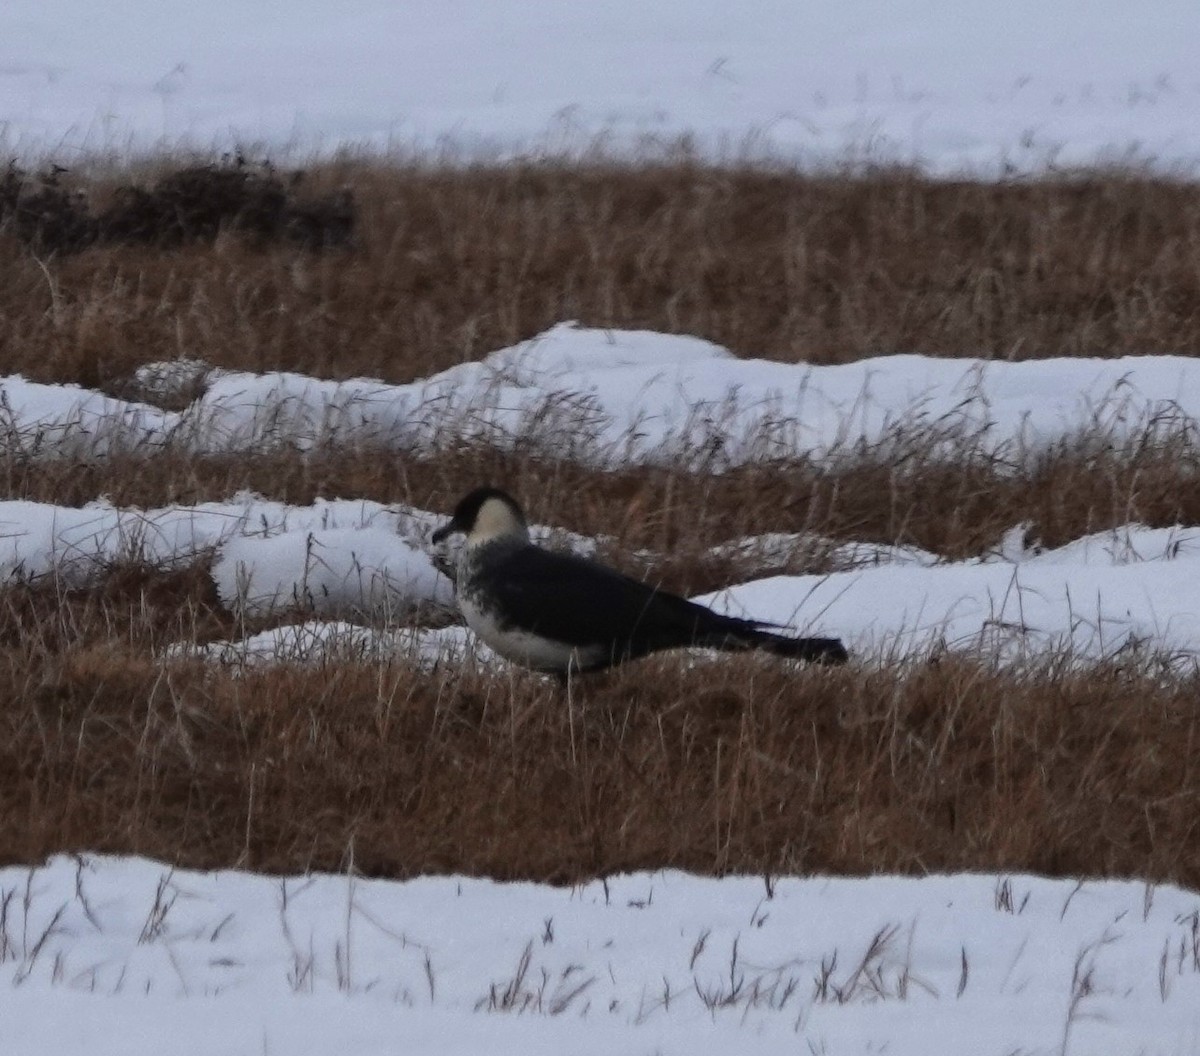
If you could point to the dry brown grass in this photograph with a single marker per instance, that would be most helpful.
(452, 264)
(739, 765)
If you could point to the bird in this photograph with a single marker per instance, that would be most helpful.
(564, 614)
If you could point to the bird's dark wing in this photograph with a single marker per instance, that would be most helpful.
(582, 603)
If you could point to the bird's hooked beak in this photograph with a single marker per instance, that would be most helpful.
(446, 530)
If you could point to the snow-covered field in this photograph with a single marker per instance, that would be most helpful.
(971, 85)
(125, 956)
(105, 955)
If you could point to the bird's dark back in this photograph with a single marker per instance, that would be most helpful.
(574, 600)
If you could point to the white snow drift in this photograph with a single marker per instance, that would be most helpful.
(365, 570)
(977, 86)
(609, 398)
(336, 556)
(1133, 588)
(127, 956)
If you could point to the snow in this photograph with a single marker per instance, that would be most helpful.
(970, 86)
(333, 557)
(354, 570)
(124, 955)
(39, 539)
(1132, 588)
(67, 421)
(608, 398)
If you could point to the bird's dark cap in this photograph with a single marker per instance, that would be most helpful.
(463, 519)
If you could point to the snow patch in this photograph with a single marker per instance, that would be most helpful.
(70, 422)
(1134, 588)
(353, 571)
(610, 398)
(111, 955)
(986, 88)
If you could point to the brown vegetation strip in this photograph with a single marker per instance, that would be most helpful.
(452, 264)
(739, 765)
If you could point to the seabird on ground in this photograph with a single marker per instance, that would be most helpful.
(561, 613)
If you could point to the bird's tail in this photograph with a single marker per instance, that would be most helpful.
(740, 635)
